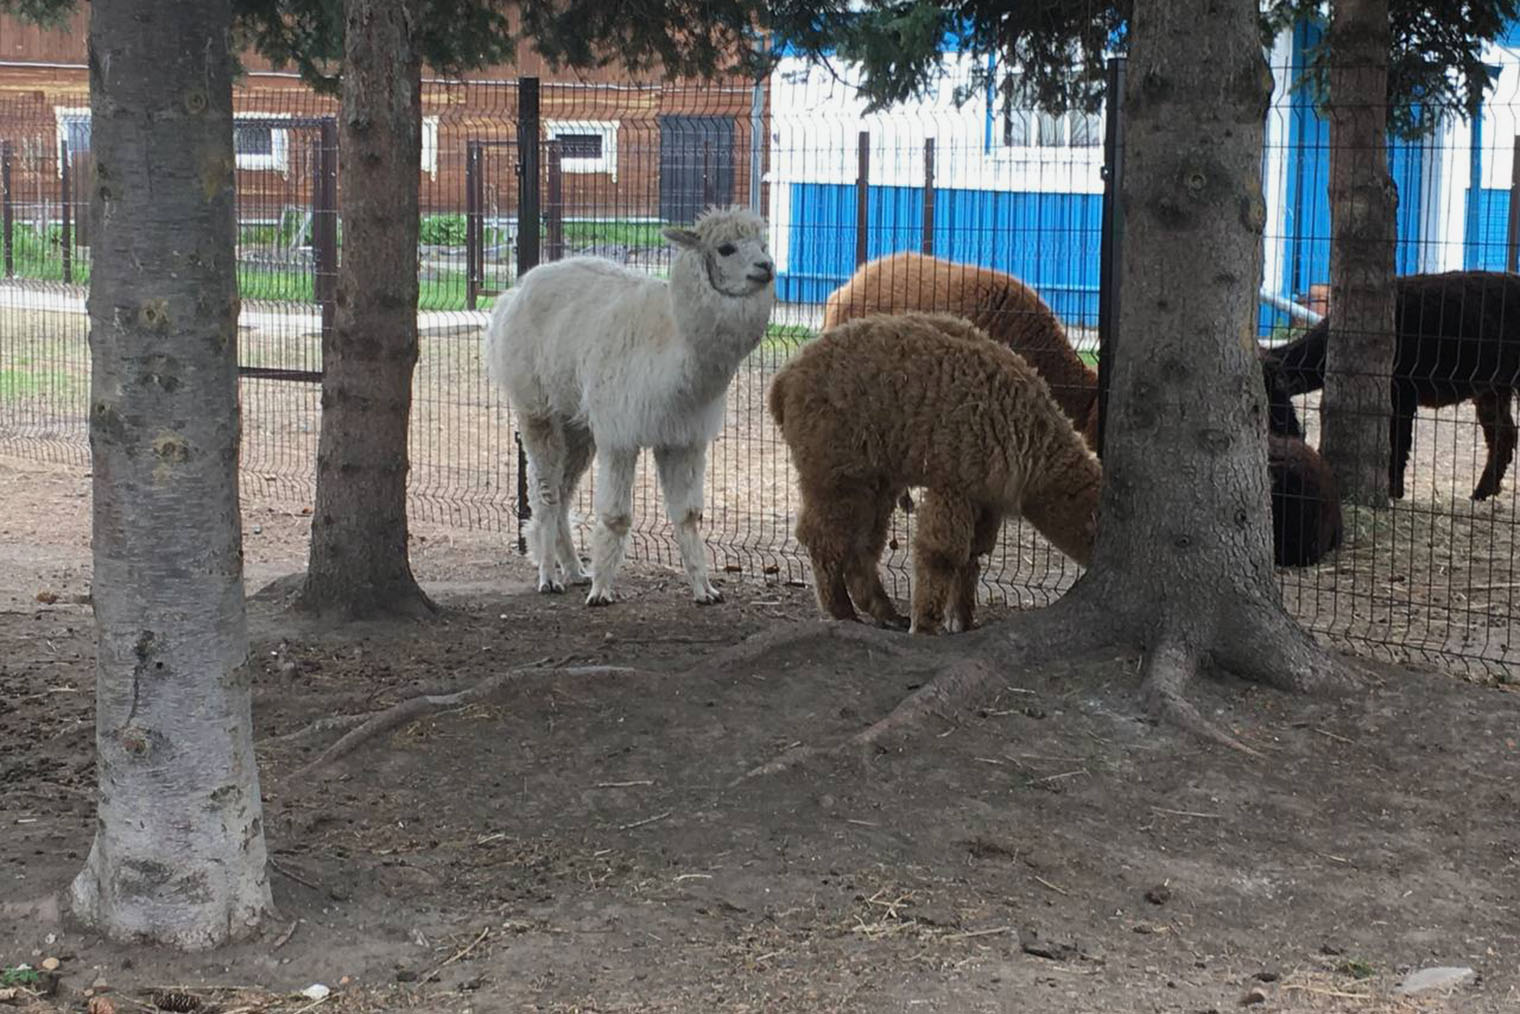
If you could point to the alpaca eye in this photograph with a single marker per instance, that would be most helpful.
(727, 249)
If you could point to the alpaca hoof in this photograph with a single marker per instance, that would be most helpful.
(548, 586)
(1485, 490)
(711, 596)
(580, 580)
(928, 630)
(953, 625)
(599, 598)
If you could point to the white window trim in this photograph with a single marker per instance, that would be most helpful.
(607, 129)
(278, 159)
(430, 146)
(62, 115)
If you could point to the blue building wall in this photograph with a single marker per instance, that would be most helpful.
(1307, 225)
(1048, 240)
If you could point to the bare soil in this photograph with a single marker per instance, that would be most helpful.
(582, 845)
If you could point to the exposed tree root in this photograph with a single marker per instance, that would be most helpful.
(1168, 668)
(757, 646)
(978, 666)
(377, 723)
(1270, 648)
(956, 689)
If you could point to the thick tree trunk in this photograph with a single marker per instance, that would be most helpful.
(178, 856)
(1363, 200)
(358, 564)
(1183, 564)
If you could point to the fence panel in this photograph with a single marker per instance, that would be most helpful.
(1017, 190)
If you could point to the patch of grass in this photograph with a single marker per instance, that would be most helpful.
(1090, 358)
(641, 235)
(787, 338)
(20, 975)
(1357, 968)
(21, 381)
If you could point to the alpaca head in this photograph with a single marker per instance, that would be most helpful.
(728, 246)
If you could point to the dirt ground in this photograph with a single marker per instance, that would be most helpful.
(580, 845)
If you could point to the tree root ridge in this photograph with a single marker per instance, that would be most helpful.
(368, 726)
(975, 670)
(1169, 666)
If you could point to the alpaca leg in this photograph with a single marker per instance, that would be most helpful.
(614, 517)
(984, 535)
(1499, 434)
(825, 526)
(544, 445)
(681, 471)
(861, 573)
(579, 448)
(941, 548)
(1401, 437)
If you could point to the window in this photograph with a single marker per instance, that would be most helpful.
(74, 131)
(430, 146)
(580, 145)
(259, 145)
(585, 146)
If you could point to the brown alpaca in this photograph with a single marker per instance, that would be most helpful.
(1008, 310)
(876, 405)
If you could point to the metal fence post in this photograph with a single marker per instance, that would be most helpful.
(862, 198)
(928, 243)
(324, 224)
(554, 201)
(474, 231)
(1113, 237)
(67, 239)
(529, 131)
(7, 209)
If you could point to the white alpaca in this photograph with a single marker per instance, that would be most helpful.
(596, 357)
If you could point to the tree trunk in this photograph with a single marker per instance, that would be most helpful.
(1363, 199)
(1183, 564)
(178, 857)
(358, 564)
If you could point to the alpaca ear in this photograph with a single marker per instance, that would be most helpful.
(681, 237)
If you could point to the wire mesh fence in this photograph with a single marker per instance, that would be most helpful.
(610, 163)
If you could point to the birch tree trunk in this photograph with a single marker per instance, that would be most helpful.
(1356, 404)
(178, 857)
(358, 564)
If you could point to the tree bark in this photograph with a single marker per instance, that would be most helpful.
(1183, 563)
(358, 564)
(1363, 201)
(178, 856)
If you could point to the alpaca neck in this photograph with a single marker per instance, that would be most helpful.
(715, 331)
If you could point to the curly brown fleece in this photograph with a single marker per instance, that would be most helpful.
(998, 303)
(879, 404)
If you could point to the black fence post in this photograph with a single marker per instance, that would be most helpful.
(554, 201)
(7, 209)
(474, 224)
(1512, 257)
(324, 224)
(1113, 237)
(67, 239)
(862, 198)
(928, 244)
(529, 131)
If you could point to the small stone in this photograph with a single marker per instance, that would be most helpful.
(101, 1005)
(1254, 996)
(316, 991)
(1159, 895)
(1268, 975)
(50, 964)
(1441, 977)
